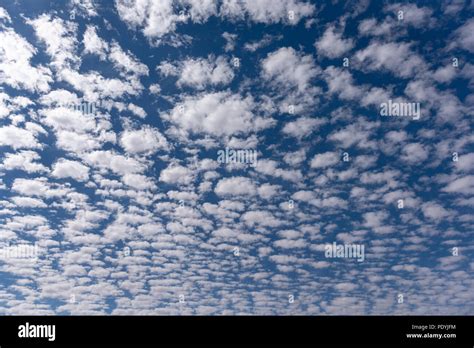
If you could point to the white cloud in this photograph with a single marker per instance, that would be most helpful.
(392, 56)
(235, 186)
(332, 44)
(414, 153)
(218, 114)
(64, 118)
(302, 127)
(286, 67)
(340, 82)
(375, 219)
(93, 44)
(28, 202)
(464, 185)
(355, 134)
(126, 62)
(59, 97)
(4, 15)
(260, 217)
(265, 41)
(434, 211)
(37, 187)
(167, 69)
(96, 87)
(464, 37)
(59, 37)
(108, 160)
(137, 181)
(201, 10)
(143, 140)
(24, 160)
(155, 88)
(85, 6)
(70, 169)
(156, 18)
(267, 11)
(268, 191)
(72, 141)
(30, 187)
(295, 158)
(176, 174)
(324, 160)
(17, 138)
(418, 17)
(230, 41)
(15, 68)
(137, 110)
(199, 72)
(159, 18)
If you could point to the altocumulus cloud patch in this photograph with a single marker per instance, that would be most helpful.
(347, 182)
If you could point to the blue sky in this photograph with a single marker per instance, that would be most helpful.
(112, 115)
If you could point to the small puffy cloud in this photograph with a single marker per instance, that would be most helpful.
(265, 41)
(126, 62)
(15, 66)
(17, 138)
(289, 68)
(354, 134)
(176, 174)
(268, 191)
(138, 181)
(75, 142)
(93, 44)
(95, 86)
(341, 82)
(413, 15)
(70, 169)
(59, 97)
(24, 160)
(392, 56)
(444, 74)
(4, 15)
(267, 11)
(108, 160)
(145, 140)
(464, 185)
(28, 202)
(159, 18)
(304, 196)
(155, 88)
(167, 69)
(290, 243)
(136, 110)
(235, 186)
(86, 7)
(302, 127)
(31, 187)
(200, 72)
(201, 10)
(464, 37)
(375, 219)
(332, 44)
(230, 41)
(59, 37)
(414, 153)
(64, 118)
(260, 217)
(434, 211)
(295, 158)
(324, 160)
(155, 18)
(217, 114)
